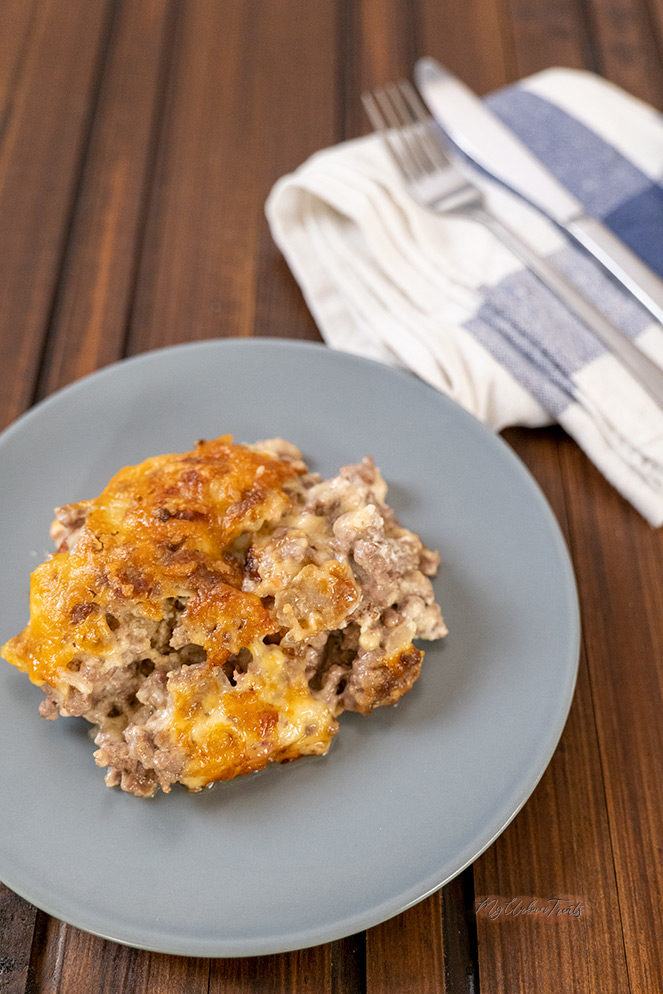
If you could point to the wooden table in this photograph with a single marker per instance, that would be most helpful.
(138, 141)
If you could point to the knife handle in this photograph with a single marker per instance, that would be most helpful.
(618, 259)
(641, 367)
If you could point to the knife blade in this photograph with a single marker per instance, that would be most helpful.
(492, 145)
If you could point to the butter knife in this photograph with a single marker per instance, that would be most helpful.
(488, 142)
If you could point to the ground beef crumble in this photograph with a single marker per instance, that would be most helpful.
(339, 536)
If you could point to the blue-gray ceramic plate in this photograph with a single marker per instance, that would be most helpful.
(317, 849)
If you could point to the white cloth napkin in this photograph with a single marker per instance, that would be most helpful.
(442, 297)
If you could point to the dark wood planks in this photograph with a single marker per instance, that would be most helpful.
(601, 831)
(528, 954)
(381, 42)
(47, 85)
(291, 116)
(560, 845)
(17, 921)
(95, 293)
(461, 967)
(631, 54)
(475, 44)
(379, 46)
(654, 11)
(421, 971)
(87, 330)
(237, 117)
(307, 971)
(294, 115)
(42, 145)
(171, 116)
(196, 271)
(620, 598)
(620, 39)
(16, 20)
(69, 961)
(383, 39)
(548, 34)
(348, 965)
(148, 147)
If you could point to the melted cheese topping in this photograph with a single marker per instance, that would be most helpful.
(179, 537)
(163, 529)
(270, 716)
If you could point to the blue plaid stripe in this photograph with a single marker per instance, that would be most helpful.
(521, 323)
(606, 182)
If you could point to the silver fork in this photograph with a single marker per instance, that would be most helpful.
(435, 181)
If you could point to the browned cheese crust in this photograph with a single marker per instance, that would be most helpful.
(215, 611)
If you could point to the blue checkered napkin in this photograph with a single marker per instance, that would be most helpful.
(612, 187)
(442, 296)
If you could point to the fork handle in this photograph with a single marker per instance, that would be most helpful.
(646, 372)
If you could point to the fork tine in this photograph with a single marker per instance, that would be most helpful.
(407, 130)
(380, 114)
(413, 100)
(431, 140)
(398, 133)
(383, 99)
(407, 126)
(373, 112)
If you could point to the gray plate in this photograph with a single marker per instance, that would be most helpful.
(324, 847)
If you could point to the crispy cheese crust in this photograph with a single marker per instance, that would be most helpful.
(214, 611)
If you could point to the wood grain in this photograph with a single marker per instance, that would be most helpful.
(16, 20)
(308, 113)
(459, 935)
(40, 157)
(630, 50)
(138, 141)
(654, 11)
(560, 845)
(477, 46)
(95, 294)
(68, 961)
(382, 42)
(47, 87)
(307, 971)
(206, 233)
(17, 921)
(17, 917)
(348, 965)
(381, 45)
(198, 256)
(87, 330)
(548, 34)
(419, 930)
(620, 599)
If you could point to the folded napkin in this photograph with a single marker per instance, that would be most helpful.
(443, 298)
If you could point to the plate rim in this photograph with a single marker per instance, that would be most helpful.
(355, 922)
